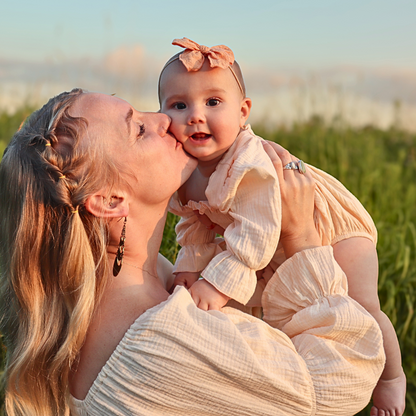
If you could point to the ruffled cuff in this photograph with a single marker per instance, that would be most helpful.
(301, 281)
(195, 258)
(231, 277)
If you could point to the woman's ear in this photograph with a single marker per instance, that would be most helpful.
(104, 207)
(245, 110)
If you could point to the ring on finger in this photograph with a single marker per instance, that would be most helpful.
(301, 167)
(291, 166)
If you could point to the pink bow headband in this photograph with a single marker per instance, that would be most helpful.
(194, 55)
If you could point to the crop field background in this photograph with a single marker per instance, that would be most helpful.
(379, 167)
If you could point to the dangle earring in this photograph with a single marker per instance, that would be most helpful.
(118, 261)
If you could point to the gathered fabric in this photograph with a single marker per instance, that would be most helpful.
(243, 197)
(193, 56)
(177, 359)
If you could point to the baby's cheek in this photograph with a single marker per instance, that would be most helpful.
(176, 127)
(175, 123)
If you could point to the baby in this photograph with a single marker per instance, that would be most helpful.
(236, 187)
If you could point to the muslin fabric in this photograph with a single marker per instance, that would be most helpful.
(243, 197)
(177, 359)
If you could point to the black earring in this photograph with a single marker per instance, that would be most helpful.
(118, 261)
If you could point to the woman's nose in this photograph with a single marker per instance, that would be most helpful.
(161, 122)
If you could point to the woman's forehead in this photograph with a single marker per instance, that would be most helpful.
(93, 104)
(101, 110)
(105, 114)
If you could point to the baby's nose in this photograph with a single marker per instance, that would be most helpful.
(196, 116)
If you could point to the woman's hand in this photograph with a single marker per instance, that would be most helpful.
(297, 192)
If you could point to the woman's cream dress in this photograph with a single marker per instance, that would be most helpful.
(178, 360)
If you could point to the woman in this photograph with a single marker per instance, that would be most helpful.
(88, 322)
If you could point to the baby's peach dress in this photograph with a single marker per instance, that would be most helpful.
(243, 197)
(320, 354)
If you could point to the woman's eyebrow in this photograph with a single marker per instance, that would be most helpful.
(129, 115)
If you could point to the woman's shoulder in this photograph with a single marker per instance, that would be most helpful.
(118, 311)
(164, 271)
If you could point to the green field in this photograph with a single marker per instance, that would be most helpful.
(379, 167)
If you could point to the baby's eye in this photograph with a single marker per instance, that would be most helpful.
(212, 102)
(179, 106)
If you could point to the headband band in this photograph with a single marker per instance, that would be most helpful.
(193, 57)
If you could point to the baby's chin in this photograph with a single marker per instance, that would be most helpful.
(198, 154)
(208, 161)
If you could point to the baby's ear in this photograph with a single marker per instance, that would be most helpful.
(245, 110)
(101, 206)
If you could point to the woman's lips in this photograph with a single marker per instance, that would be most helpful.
(178, 143)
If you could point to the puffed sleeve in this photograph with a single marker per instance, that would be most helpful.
(177, 359)
(307, 298)
(338, 213)
(196, 241)
(250, 195)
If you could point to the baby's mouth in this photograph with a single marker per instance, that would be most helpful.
(200, 136)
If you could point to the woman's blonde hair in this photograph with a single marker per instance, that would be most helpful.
(52, 255)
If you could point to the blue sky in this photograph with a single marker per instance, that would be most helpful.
(310, 33)
(299, 57)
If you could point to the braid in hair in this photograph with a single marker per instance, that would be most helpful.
(51, 255)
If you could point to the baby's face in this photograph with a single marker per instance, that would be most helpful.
(207, 108)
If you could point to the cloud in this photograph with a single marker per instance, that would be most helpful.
(360, 96)
(280, 95)
(127, 71)
(384, 84)
(126, 61)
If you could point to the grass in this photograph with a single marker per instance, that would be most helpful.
(379, 167)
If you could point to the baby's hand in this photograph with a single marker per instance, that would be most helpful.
(186, 279)
(207, 297)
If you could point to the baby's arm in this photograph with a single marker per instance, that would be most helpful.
(357, 256)
(187, 279)
(205, 296)
(197, 244)
(251, 238)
